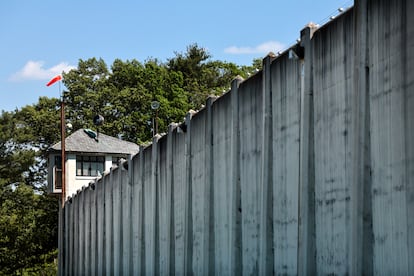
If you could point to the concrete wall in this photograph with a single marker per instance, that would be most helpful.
(305, 168)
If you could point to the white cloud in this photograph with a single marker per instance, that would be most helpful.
(34, 70)
(264, 48)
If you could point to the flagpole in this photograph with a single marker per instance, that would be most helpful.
(58, 78)
(63, 147)
(63, 144)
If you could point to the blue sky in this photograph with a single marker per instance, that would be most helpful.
(42, 38)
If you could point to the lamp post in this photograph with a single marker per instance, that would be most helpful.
(155, 106)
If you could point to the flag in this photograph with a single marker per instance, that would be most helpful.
(55, 79)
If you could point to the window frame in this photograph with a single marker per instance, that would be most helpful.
(90, 165)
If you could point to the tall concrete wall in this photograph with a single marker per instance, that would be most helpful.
(305, 168)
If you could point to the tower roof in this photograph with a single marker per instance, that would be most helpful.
(83, 140)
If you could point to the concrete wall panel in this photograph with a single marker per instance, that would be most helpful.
(116, 220)
(165, 209)
(286, 87)
(200, 193)
(137, 214)
(391, 105)
(108, 217)
(126, 221)
(179, 199)
(93, 234)
(250, 114)
(149, 213)
(222, 128)
(100, 226)
(332, 81)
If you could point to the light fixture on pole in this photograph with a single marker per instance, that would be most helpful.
(155, 106)
(98, 120)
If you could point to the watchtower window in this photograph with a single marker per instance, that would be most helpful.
(89, 165)
(58, 172)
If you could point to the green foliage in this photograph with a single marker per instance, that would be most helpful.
(202, 76)
(28, 227)
(28, 217)
(122, 94)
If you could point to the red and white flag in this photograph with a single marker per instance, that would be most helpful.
(55, 79)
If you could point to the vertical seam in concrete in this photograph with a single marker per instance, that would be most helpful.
(360, 241)
(210, 188)
(266, 255)
(306, 246)
(130, 210)
(112, 244)
(404, 55)
(119, 221)
(141, 203)
(96, 227)
(235, 235)
(408, 144)
(188, 217)
(170, 200)
(155, 203)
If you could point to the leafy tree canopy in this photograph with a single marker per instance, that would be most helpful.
(122, 93)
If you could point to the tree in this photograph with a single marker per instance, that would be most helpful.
(28, 217)
(123, 95)
(28, 224)
(86, 85)
(203, 76)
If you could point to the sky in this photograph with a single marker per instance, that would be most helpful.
(42, 38)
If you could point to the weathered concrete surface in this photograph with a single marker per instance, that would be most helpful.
(307, 167)
(332, 79)
(222, 142)
(250, 114)
(391, 94)
(286, 88)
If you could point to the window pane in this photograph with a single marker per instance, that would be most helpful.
(86, 168)
(94, 169)
(89, 165)
(78, 167)
(58, 162)
(100, 167)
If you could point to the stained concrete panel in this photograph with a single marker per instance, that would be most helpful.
(391, 105)
(137, 214)
(180, 201)
(87, 231)
(164, 207)
(93, 234)
(149, 213)
(117, 220)
(125, 206)
(100, 226)
(108, 217)
(222, 144)
(286, 88)
(200, 193)
(250, 114)
(332, 82)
